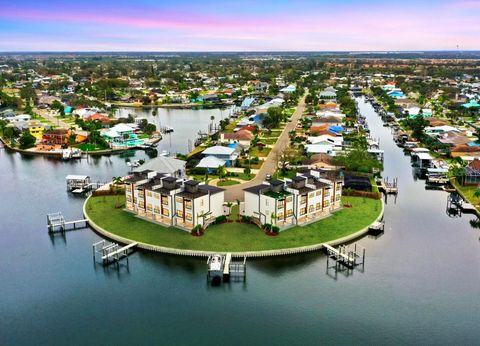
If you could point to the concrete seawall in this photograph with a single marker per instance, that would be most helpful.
(250, 254)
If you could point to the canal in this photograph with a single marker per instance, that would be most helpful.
(420, 283)
(186, 124)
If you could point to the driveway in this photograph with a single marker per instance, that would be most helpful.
(234, 192)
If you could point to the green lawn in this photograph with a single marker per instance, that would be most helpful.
(227, 182)
(89, 147)
(232, 236)
(468, 193)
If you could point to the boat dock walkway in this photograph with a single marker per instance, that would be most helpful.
(231, 270)
(111, 252)
(388, 187)
(348, 256)
(56, 223)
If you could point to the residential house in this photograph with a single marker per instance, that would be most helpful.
(121, 136)
(165, 165)
(308, 197)
(55, 137)
(226, 154)
(243, 137)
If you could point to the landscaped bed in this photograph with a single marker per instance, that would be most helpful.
(231, 237)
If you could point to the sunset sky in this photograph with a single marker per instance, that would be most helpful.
(279, 25)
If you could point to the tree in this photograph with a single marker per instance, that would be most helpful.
(221, 172)
(358, 160)
(247, 171)
(273, 118)
(27, 140)
(229, 206)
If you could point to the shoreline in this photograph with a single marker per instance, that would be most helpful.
(251, 254)
(192, 106)
(59, 154)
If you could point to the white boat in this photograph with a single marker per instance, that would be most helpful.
(215, 266)
(135, 163)
(164, 153)
(66, 154)
(76, 154)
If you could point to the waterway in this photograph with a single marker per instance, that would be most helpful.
(185, 122)
(420, 283)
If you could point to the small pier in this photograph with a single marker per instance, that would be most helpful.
(111, 252)
(81, 184)
(388, 187)
(56, 223)
(230, 270)
(348, 256)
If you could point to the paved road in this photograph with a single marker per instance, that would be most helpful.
(269, 166)
(54, 119)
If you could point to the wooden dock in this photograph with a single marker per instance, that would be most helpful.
(111, 252)
(236, 271)
(348, 256)
(56, 223)
(388, 187)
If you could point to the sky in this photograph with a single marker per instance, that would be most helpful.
(271, 25)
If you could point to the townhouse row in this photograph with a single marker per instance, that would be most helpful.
(170, 201)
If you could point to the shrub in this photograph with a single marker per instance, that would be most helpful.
(267, 227)
(275, 229)
(246, 218)
(221, 218)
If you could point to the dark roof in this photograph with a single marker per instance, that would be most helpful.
(167, 191)
(192, 195)
(212, 189)
(276, 182)
(257, 188)
(136, 177)
(298, 178)
(170, 179)
(191, 182)
(303, 189)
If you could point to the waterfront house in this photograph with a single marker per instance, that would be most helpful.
(171, 201)
(243, 137)
(472, 173)
(165, 165)
(122, 136)
(308, 197)
(198, 204)
(55, 137)
(226, 154)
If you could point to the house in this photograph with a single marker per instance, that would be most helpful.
(226, 154)
(396, 94)
(172, 202)
(55, 137)
(289, 89)
(165, 165)
(328, 93)
(103, 119)
(306, 198)
(210, 163)
(121, 136)
(472, 173)
(243, 137)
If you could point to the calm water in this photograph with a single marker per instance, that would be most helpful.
(420, 284)
(185, 122)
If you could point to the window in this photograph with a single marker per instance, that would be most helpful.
(289, 212)
(280, 204)
(266, 201)
(165, 212)
(319, 193)
(156, 210)
(303, 199)
(188, 216)
(179, 199)
(129, 188)
(311, 195)
(311, 208)
(188, 204)
(289, 199)
(280, 216)
(156, 195)
(140, 194)
(164, 200)
(338, 198)
(326, 203)
(149, 193)
(180, 213)
(318, 206)
(303, 211)
(149, 207)
(129, 198)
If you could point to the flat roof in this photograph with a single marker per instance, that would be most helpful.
(77, 177)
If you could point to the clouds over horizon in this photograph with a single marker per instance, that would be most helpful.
(241, 26)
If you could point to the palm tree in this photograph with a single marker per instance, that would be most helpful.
(274, 218)
(229, 206)
(476, 193)
(221, 172)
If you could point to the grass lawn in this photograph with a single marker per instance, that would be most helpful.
(268, 140)
(230, 127)
(232, 236)
(227, 182)
(89, 147)
(468, 192)
(255, 151)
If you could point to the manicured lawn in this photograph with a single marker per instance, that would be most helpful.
(255, 151)
(89, 147)
(468, 192)
(227, 182)
(232, 236)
